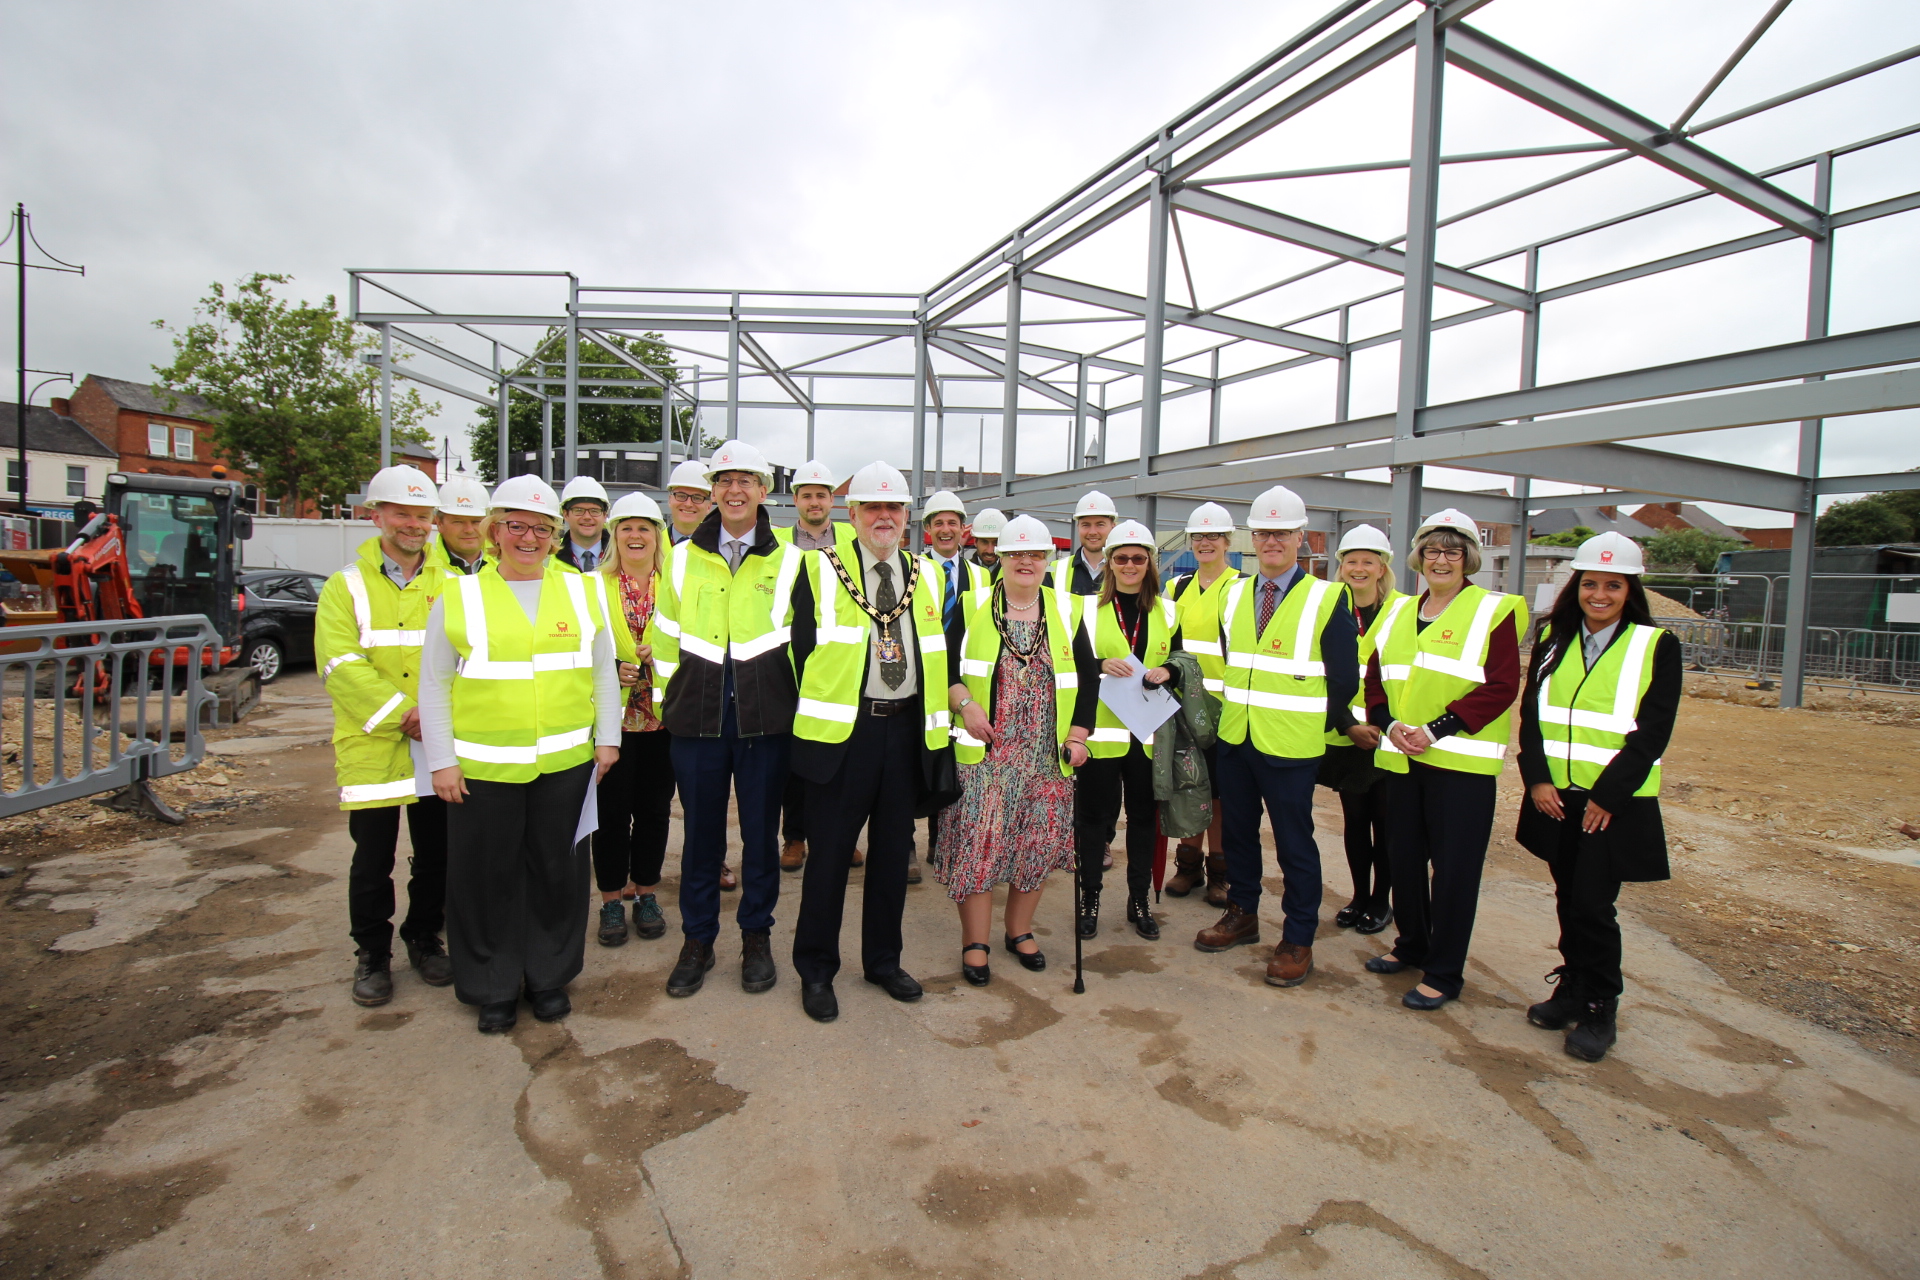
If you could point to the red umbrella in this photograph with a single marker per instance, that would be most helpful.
(1159, 860)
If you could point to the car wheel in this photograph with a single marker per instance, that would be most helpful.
(267, 657)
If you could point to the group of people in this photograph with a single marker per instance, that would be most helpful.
(534, 684)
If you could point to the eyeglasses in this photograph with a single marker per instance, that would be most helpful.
(1024, 557)
(686, 497)
(515, 529)
(1207, 537)
(1452, 555)
(1127, 560)
(1273, 535)
(736, 482)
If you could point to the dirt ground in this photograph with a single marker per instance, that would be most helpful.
(185, 1089)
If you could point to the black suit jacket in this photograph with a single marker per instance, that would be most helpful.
(565, 554)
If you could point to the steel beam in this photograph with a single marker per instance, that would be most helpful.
(1885, 482)
(1010, 386)
(998, 367)
(1131, 304)
(773, 370)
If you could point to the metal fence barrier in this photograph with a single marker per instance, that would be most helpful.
(87, 707)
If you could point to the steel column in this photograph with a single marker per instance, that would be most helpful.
(1078, 454)
(546, 439)
(1213, 402)
(386, 404)
(1517, 547)
(1010, 386)
(1416, 316)
(500, 441)
(733, 369)
(810, 412)
(918, 486)
(572, 434)
(1793, 654)
(1154, 352)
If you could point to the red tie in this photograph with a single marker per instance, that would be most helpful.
(1269, 589)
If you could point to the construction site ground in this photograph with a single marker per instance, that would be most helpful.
(187, 1091)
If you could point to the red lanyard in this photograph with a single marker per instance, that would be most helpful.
(1132, 637)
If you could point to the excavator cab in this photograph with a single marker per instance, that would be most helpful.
(183, 537)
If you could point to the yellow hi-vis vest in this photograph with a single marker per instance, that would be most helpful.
(1200, 628)
(1276, 680)
(1424, 671)
(710, 613)
(1060, 575)
(836, 674)
(1110, 737)
(982, 654)
(367, 635)
(523, 694)
(971, 584)
(1368, 640)
(1585, 716)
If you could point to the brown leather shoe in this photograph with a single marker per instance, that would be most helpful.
(1290, 965)
(793, 855)
(1188, 870)
(1230, 930)
(1216, 879)
(859, 858)
(728, 880)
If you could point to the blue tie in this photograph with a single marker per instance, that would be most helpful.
(952, 597)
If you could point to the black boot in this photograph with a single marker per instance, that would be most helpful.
(757, 971)
(1140, 915)
(1562, 1007)
(690, 970)
(1089, 922)
(1590, 1040)
(372, 979)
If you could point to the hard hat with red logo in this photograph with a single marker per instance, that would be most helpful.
(1095, 503)
(814, 473)
(738, 455)
(462, 495)
(1458, 521)
(1613, 551)
(1024, 533)
(403, 486)
(1130, 533)
(1208, 517)
(526, 493)
(878, 482)
(1364, 537)
(691, 474)
(634, 506)
(1277, 508)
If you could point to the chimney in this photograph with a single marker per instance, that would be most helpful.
(61, 405)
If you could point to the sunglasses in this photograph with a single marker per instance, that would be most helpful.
(1128, 560)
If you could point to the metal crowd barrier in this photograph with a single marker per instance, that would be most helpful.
(87, 707)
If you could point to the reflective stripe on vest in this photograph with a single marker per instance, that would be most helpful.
(1420, 685)
(1278, 700)
(1580, 739)
(982, 655)
(480, 664)
(364, 792)
(835, 678)
(363, 616)
(1110, 737)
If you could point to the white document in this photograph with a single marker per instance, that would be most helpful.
(589, 813)
(1142, 707)
(422, 776)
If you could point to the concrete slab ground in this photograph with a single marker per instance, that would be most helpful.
(199, 1099)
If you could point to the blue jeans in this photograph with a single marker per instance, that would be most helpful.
(1249, 781)
(707, 770)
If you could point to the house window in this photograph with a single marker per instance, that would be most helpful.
(157, 439)
(183, 443)
(76, 482)
(250, 499)
(13, 477)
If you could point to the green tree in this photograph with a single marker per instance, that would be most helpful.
(1862, 522)
(1694, 547)
(599, 423)
(1907, 503)
(298, 411)
(1565, 538)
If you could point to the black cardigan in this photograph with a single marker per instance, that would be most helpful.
(1635, 841)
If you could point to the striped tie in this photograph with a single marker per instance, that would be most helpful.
(952, 600)
(1269, 591)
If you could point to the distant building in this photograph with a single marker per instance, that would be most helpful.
(150, 429)
(1665, 516)
(1599, 519)
(65, 464)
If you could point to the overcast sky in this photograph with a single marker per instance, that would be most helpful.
(856, 146)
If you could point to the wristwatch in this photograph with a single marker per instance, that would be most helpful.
(964, 704)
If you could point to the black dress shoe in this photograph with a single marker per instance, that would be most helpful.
(1374, 921)
(550, 1006)
(428, 958)
(757, 971)
(899, 984)
(1385, 964)
(1140, 915)
(818, 1000)
(495, 1018)
(1034, 960)
(1347, 916)
(977, 975)
(1418, 999)
(690, 970)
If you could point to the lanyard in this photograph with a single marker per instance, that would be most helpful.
(1132, 637)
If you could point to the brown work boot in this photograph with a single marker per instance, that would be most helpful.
(1290, 965)
(793, 855)
(1216, 880)
(1230, 930)
(1188, 871)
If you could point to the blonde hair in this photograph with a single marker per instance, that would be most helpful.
(498, 515)
(611, 565)
(1386, 568)
(1469, 563)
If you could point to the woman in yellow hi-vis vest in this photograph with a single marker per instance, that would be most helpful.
(1441, 683)
(1602, 693)
(520, 714)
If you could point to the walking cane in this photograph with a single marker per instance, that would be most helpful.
(1079, 972)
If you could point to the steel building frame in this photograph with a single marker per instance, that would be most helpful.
(969, 327)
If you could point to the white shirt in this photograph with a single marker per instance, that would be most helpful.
(587, 558)
(902, 627)
(1594, 643)
(728, 542)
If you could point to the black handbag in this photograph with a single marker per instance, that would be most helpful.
(939, 781)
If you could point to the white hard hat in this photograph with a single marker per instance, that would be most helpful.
(582, 488)
(1024, 533)
(814, 473)
(1277, 508)
(1610, 551)
(1364, 537)
(462, 495)
(878, 482)
(525, 493)
(1095, 503)
(403, 486)
(988, 524)
(1208, 517)
(691, 474)
(943, 501)
(738, 455)
(1131, 533)
(635, 506)
(1458, 521)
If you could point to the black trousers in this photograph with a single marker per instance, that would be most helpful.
(1438, 824)
(874, 787)
(636, 810)
(370, 898)
(517, 886)
(1365, 835)
(793, 810)
(1106, 784)
(1584, 893)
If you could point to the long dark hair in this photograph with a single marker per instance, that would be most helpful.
(1149, 585)
(1566, 619)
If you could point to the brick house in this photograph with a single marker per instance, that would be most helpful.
(151, 429)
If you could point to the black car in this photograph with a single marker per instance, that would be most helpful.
(277, 626)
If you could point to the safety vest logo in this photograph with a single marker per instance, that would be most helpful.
(763, 588)
(561, 631)
(1606, 557)
(1447, 634)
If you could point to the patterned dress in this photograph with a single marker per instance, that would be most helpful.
(1013, 823)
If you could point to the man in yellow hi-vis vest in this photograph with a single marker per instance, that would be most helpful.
(873, 711)
(367, 634)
